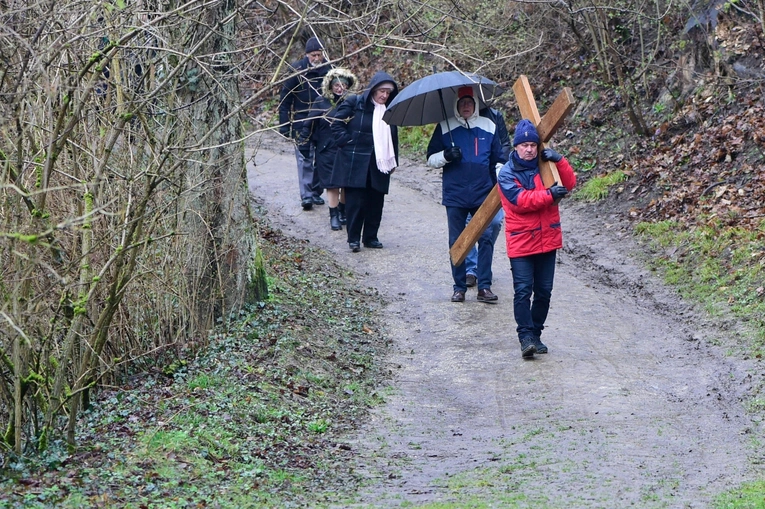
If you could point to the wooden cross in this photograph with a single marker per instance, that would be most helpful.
(546, 127)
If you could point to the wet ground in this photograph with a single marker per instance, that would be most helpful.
(639, 402)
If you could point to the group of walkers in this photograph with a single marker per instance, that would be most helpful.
(343, 145)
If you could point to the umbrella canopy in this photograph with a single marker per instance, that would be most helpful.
(430, 99)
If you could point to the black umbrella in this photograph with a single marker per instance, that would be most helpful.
(424, 101)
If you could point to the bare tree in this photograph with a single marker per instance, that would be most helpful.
(125, 216)
(125, 221)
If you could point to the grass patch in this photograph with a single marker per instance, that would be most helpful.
(747, 496)
(597, 188)
(719, 266)
(413, 141)
(172, 441)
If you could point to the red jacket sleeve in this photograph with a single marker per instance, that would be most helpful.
(566, 172)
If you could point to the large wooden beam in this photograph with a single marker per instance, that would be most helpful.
(480, 219)
(556, 114)
(553, 119)
(475, 227)
(546, 127)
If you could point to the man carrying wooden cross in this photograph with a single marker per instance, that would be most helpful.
(532, 230)
(520, 205)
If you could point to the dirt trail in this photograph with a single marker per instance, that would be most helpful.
(632, 406)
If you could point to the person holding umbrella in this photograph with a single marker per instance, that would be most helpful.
(367, 155)
(532, 231)
(471, 261)
(467, 148)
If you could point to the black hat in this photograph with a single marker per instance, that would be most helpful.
(312, 45)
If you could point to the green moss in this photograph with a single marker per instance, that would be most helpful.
(10, 434)
(32, 239)
(42, 439)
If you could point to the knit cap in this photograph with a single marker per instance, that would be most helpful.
(465, 92)
(525, 132)
(312, 45)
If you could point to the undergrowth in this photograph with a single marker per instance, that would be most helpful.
(255, 420)
(719, 266)
(413, 141)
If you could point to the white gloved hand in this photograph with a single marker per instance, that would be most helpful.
(498, 167)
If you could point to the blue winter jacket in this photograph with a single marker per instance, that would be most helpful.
(466, 183)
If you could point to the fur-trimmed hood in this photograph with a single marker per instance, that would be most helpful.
(337, 72)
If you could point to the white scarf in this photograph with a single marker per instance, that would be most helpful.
(386, 156)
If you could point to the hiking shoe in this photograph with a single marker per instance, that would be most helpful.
(458, 296)
(541, 347)
(307, 204)
(528, 348)
(486, 296)
(470, 280)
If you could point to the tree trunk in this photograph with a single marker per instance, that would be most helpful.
(225, 271)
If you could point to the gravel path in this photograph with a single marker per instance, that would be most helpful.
(633, 406)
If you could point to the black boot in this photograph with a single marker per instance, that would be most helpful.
(334, 220)
(341, 212)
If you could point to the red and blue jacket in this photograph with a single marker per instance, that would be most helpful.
(466, 183)
(532, 219)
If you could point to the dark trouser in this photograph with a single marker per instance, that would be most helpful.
(308, 177)
(363, 211)
(456, 217)
(532, 276)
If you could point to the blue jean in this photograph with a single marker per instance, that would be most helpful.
(456, 218)
(471, 261)
(532, 278)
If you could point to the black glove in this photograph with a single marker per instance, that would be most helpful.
(453, 154)
(549, 154)
(305, 151)
(558, 192)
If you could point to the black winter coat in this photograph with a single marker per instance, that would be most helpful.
(352, 127)
(297, 94)
(317, 130)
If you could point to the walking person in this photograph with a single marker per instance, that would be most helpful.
(294, 104)
(471, 260)
(367, 155)
(317, 130)
(468, 150)
(533, 231)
